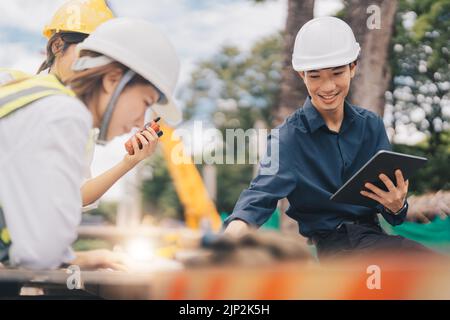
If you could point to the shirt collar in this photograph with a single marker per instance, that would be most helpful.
(315, 120)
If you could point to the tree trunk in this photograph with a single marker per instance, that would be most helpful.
(373, 75)
(293, 91)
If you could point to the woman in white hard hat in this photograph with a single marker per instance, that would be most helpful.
(322, 145)
(63, 35)
(125, 66)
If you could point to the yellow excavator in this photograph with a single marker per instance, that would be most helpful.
(189, 185)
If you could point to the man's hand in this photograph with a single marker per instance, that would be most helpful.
(237, 228)
(394, 198)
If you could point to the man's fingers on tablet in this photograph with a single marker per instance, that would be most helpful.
(400, 179)
(371, 196)
(375, 190)
(388, 183)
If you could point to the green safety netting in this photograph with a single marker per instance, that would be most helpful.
(435, 235)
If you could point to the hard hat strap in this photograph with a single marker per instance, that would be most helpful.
(106, 119)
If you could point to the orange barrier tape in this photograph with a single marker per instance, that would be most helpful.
(412, 277)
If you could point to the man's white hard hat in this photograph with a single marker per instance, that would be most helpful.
(324, 42)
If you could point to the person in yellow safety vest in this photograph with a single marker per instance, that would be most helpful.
(123, 67)
(70, 25)
(64, 32)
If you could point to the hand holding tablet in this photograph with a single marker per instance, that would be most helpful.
(394, 198)
(384, 176)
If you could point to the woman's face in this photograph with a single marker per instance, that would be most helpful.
(130, 109)
(131, 106)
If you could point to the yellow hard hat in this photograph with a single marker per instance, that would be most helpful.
(82, 16)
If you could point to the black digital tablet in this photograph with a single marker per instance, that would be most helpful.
(382, 162)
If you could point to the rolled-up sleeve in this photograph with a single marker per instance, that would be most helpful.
(275, 180)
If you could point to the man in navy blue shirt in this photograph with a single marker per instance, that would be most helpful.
(318, 148)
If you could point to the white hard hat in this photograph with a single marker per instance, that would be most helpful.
(324, 42)
(143, 48)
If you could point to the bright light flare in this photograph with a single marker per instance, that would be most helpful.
(140, 249)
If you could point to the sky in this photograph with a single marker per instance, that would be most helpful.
(197, 28)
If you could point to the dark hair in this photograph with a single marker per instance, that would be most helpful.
(68, 38)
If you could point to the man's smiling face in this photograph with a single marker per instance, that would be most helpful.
(329, 87)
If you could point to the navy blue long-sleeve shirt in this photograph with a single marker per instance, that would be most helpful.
(314, 162)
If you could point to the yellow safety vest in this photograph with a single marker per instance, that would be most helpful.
(7, 75)
(21, 92)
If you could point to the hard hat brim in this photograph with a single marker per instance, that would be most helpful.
(169, 111)
(323, 65)
(330, 62)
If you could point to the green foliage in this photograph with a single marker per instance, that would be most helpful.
(436, 17)
(240, 86)
(419, 94)
(91, 244)
(436, 174)
(231, 181)
(159, 193)
(107, 210)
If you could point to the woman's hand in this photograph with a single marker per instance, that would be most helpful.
(149, 140)
(101, 259)
(394, 198)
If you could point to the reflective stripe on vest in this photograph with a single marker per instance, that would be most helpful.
(20, 94)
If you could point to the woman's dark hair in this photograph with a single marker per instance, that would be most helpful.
(68, 38)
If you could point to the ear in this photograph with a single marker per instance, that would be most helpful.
(111, 80)
(353, 68)
(302, 74)
(57, 46)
